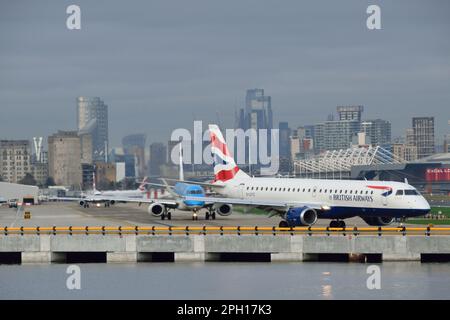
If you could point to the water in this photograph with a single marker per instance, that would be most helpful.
(307, 280)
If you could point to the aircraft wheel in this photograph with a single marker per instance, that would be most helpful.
(163, 216)
(169, 216)
(207, 216)
(342, 224)
(283, 224)
(213, 215)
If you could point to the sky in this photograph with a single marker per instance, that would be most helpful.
(159, 65)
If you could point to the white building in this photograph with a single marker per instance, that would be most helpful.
(24, 193)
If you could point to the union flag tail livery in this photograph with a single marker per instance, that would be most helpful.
(224, 166)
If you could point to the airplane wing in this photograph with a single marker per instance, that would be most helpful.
(205, 184)
(275, 204)
(168, 202)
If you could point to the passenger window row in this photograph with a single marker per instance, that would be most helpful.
(309, 190)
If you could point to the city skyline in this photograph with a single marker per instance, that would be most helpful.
(149, 62)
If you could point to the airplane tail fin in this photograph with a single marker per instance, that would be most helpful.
(142, 185)
(181, 163)
(225, 168)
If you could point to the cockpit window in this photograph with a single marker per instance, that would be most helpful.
(411, 193)
(195, 192)
(399, 193)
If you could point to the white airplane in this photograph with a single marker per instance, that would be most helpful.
(300, 202)
(107, 198)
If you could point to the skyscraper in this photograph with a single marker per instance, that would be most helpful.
(257, 115)
(158, 157)
(379, 132)
(285, 147)
(134, 145)
(423, 128)
(92, 118)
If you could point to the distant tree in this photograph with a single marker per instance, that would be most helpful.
(50, 182)
(28, 180)
(1, 178)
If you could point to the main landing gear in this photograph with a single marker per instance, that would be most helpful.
(283, 224)
(337, 224)
(211, 213)
(166, 214)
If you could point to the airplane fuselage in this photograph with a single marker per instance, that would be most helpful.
(345, 198)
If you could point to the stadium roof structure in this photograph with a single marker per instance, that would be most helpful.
(343, 160)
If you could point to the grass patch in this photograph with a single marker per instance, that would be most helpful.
(429, 221)
(444, 210)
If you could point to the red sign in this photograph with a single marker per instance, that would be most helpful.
(437, 174)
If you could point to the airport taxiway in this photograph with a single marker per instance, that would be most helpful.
(71, 214)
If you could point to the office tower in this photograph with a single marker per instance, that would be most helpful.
(379, 132)
(350, 112)
(284, 147)
(158, 157)
(92, 118)
(423, 128)
(284, 134)
(135, 145)
(64, 158)
(335, 135)
(257, 115)
(15, 160)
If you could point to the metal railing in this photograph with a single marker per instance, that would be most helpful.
(222, 230)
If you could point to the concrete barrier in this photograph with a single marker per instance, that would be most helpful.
(132, 248)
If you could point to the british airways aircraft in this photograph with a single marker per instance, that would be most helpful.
(300, 202)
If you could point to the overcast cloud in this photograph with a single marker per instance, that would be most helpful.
(160, 64)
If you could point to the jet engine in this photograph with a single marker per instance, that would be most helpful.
(378, 221)
(156, 209)
(223, 209)
(303, 216)
(82, 202)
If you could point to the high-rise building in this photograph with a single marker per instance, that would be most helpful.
(284, 147)
(284, 134)
(335, 135)
(379, 132)
(158, 157)
(350, 112)
(134, 145)
(64, 158)
(15, 160)
(256, 115)
(423, 128)
(92, 118)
